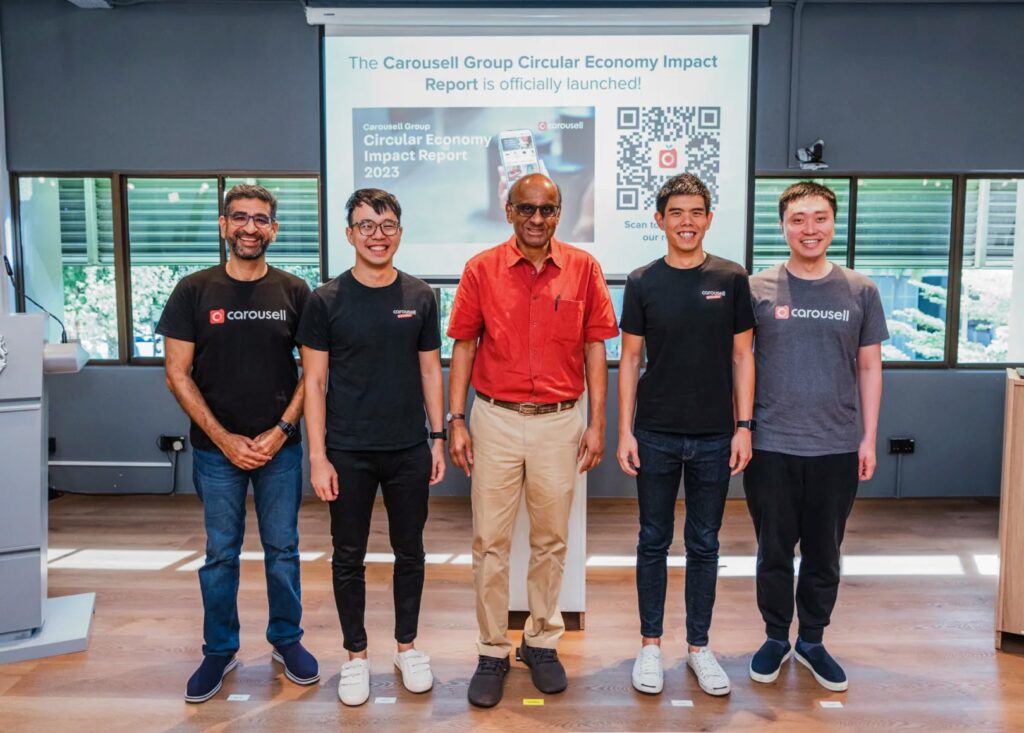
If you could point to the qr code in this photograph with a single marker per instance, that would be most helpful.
(656, 143)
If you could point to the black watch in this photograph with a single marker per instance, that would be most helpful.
(455, 416)
(750, 425)
(443, 435)
(287, 428)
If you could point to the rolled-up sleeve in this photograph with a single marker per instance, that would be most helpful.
(467, 320)
(599, 313)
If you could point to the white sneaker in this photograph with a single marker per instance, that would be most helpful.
(354, 685)
(710, 675)
(648, 676)
(414, 666)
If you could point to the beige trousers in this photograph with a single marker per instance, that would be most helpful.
(513, 453)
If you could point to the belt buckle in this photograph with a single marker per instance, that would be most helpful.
(528, 408)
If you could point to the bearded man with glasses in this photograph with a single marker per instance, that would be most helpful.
(373, 333)
(229, 337)
(529, 319)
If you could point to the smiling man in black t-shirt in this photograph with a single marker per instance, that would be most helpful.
(693, 410)
(372, 333)
(229, 339)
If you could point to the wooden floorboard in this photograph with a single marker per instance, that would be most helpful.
(918, 648)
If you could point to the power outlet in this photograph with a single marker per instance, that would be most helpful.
(174, 443)
(901, 445)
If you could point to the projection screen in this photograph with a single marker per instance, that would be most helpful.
(443, 106)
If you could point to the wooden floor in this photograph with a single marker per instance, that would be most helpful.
(918, 647)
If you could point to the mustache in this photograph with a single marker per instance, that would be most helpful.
(251, 254)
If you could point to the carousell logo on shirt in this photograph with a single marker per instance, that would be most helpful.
(782, 312)
(219, 315)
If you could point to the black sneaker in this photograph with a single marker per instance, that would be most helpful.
(206, 681)
(825, 669)
(766, 663)
(488, 681)
(299, 665)
(546, 671)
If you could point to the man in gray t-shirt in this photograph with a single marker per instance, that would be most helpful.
(817, 347)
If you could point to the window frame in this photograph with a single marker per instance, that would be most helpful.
(122, 255)
(955, 260)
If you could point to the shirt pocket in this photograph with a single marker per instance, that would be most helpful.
(568, 325)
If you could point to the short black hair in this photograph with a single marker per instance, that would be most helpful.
(802, 190)
(376, 198)
(685, 184)
(250, 191)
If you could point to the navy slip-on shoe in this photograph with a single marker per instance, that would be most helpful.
(206, 681)
(299, 665)
(825, 669)
(768, 660)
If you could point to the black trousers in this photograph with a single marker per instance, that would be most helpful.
(805, 499)
(403, 476)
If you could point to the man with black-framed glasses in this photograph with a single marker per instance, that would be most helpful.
(229, 337)
(530, 318)
(373, 333)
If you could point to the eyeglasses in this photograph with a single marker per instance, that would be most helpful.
(367, 228)
(528, 210)
(241, 219)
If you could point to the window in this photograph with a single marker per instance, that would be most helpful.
(770, 246)
(297, 247)
(67, 250)
(172, 231)
(902, 243)
(992, 282)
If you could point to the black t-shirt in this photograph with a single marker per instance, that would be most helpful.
(244, 336)
(688, 319)
(374, 337)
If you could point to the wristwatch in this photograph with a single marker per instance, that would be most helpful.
(287, 428)
(442, 435)
(455, 416)
(750, 425)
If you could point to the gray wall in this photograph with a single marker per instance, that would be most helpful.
(115, 414)
(161, 87)
(892, 87)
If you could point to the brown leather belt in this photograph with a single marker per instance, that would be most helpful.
(529, 408)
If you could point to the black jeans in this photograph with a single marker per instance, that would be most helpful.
(703, 462)
(805, 499)
(403, 476)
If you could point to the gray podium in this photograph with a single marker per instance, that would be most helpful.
(31, 624)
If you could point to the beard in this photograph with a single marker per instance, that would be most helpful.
(252, 253)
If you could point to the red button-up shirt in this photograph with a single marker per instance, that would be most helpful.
(531, 325)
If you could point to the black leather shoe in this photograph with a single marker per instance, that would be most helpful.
(488, 681)
(546, 671)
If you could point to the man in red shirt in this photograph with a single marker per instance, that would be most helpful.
(529, 322)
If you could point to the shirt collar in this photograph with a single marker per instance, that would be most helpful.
(513, 256)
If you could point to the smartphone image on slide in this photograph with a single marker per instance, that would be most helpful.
(518, 154)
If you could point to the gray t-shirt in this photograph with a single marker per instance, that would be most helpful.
(805, 346)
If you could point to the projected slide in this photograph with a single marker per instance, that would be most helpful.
(443, 164)
(446, 122)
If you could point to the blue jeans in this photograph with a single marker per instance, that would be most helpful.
(277, 489)
(703, 461)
